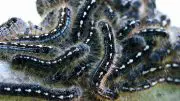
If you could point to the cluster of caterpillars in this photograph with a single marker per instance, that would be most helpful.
(104, 47)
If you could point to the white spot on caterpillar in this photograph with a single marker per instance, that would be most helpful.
(122, 67)
(161, 79)
(138, 54)
(28, 90)
(145, 72)
(42, 62)
(100, 74)
(97, 84)
(78, 34)
(169, 79)
(110, 55)
(88, 7)
(116, 70)
(70, 53)
(84, 15)
(48, 62)
(110, 36)
(175, 65)
(52, 96)
(27, 37)
(60, 25)
(131, 89)
(61, 97)
(125, 28)
(38, 91)
(177, 80)
(130, 61)
(46, 94)
(62, 13)
(54, 62)
(146, 48)
(60, 60)
(132, 22)
(36, 36)
(87, 41)
(45, 34)
(146, 86)
(71, 95)
(8, 89)
(39, 45)
(144, 30)
(168, 65)
(93, 1)
(91, 33)
(55, 30)
(18, 90)
(154, 83)
(35, 59)
(81, 23)
(107, 63)
(153, 69)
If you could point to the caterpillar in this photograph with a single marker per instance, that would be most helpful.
(64, 22)
(71, 54)
(25, 47)
(154, 32)
(149, 83)
(34, 90)
(106, 62)
(81, 19)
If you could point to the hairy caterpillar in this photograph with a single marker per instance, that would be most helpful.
(81, 19)
(64, 22)
(39, 91)
(25, 47)
(106, 62)
(70, 54)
